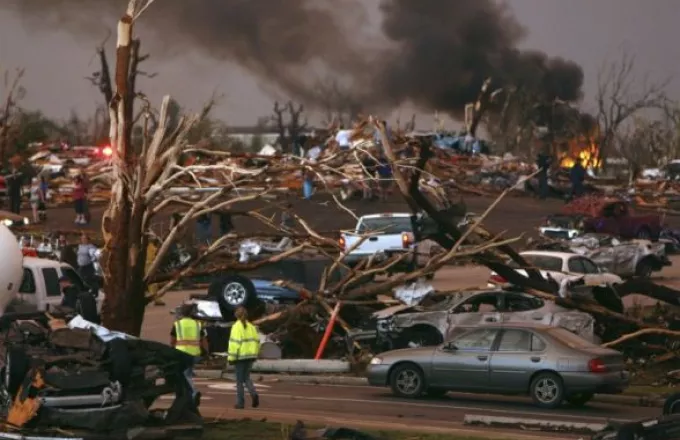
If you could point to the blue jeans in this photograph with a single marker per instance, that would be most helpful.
(189, 374)
(243, 378)
(307, 188)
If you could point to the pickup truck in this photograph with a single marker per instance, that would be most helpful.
(389, 234)
(39, 289)
(614, 217)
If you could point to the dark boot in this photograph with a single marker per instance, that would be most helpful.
(256, 401)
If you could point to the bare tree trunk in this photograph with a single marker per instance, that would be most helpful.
(123, 266)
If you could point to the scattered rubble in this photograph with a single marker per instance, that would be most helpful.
(66, 375)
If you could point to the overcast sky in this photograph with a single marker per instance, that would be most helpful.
(586, 31)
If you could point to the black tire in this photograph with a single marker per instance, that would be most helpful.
(630, 431)
(407, 380)
(672, 405)
(644, 233)
(547, 390)
(231, 292)
(579, 399)
(420, 337)
(436, 392)
(644, 268)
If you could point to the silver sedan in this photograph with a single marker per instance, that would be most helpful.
(549, 364)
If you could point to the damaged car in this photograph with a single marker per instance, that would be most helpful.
(625, 258)
(416, 326)
(89, 381)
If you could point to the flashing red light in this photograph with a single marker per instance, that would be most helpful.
(107, 151)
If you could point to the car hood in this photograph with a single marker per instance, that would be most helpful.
(407, 354)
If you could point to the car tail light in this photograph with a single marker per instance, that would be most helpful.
(406, 240)
(597, 366)
(341, 242)
(497, 279)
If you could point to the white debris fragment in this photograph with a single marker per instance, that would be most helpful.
(412, 294)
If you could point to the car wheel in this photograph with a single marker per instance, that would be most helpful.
(407, 380)
(644, 269)
(672, 405)
(547, 390)
(232, 292)
(579, 399)
(630, 431)
(436, 392)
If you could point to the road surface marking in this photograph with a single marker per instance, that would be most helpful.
(173, 398)
(230, 386)
(428, 405)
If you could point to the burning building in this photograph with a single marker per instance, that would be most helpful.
(584, 147)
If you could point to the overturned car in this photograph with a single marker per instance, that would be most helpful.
(90, 382)
(625, 258)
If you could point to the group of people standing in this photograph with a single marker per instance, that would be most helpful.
(189, 336)
(14, 182)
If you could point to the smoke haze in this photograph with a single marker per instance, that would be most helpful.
(436, 54)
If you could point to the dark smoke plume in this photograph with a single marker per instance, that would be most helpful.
(445, 49)
(440, 51)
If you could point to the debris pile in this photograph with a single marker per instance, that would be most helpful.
(71, 376)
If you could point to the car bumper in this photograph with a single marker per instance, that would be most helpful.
(599, 383)
(378, 375)
(405, 265)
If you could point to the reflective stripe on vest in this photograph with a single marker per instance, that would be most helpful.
(188, 336)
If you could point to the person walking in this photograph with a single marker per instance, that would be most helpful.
(85, 259)
(543, 162)
(13, 182)
(244, 348)
(577, 176)
(36, 197)
(42, 205)
(190, 337)
(79, 200)
(384, 171)
(204, 230)
(225, 223)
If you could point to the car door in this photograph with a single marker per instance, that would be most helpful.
(479, 308)
(518, 354)
(463, 363)
(26, 300)
(52, 290)
(521, 307)
(586, 268)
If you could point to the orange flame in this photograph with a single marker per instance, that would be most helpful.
(586, 149)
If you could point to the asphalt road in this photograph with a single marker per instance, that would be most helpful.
(359, 406)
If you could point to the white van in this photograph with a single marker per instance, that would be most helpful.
(40, 290)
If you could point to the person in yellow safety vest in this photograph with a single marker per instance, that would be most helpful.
(189, 336)
(244, 348)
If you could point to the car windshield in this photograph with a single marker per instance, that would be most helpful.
(386, 225)
(542, 262)
(570, 339)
